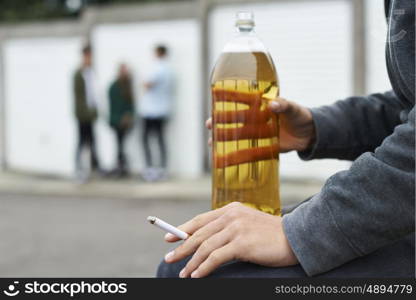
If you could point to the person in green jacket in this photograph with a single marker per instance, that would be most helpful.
(121, 114)
(85, 106)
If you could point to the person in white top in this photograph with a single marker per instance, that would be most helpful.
(155, 108)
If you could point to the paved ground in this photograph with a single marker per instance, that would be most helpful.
(53, 227)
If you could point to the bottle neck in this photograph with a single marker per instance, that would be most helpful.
(245, 30)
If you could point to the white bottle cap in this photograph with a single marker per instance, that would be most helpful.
(245, 19)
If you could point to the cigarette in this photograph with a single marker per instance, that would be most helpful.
(167, 227)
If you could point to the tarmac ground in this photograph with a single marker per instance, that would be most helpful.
(56, 228)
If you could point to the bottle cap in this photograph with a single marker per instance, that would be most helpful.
(245, 18)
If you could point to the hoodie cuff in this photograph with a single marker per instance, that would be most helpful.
(323, 131)
(315, 238)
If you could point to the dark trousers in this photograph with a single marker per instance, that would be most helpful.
(154, 126)
(86, 138)
(121, 157)
(394, 260)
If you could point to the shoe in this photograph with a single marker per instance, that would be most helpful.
(161, 174)
(150, 175)
(119, 173)
(82, 177)
(101, 173)
(124, 173)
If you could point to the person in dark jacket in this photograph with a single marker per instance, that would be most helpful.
(85, 111)
(121, 114)
(362, 222)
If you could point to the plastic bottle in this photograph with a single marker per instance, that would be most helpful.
(245, 132)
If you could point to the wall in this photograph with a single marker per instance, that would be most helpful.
(40, 130)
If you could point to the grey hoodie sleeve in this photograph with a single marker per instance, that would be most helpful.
(353, 126)
(358, 210)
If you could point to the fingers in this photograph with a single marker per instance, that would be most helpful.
(246, 116)
(281, 105)
(194, 242)
(255, 125)
(205, 249)
(171, 238)
(248, 98)
(246, 155)
(208, 123)
(206, 241)
(259, 131)
(214, 260)
(194, 224)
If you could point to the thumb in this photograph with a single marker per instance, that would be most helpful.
(169, 237)
(280, 105)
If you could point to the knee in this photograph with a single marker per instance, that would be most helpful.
(167, 270)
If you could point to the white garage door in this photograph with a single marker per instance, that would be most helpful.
(40, 131)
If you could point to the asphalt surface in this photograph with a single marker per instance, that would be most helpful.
(49, 236)
(96, 236)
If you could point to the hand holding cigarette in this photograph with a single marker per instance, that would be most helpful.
(232, 232)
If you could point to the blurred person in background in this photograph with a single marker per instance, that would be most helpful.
(85, 112)
(155, 110)
(121, 115)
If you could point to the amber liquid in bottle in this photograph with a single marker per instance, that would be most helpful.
(245, 132)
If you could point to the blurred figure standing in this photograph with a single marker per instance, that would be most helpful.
(85, 112)
(155, 110)
(121, 114)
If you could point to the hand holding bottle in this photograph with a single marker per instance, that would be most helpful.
(254, 122)
(297, 130)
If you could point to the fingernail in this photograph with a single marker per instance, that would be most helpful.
(182, 273)
(274, 105)
(195, 274)
(169, 256)
(168, 236)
